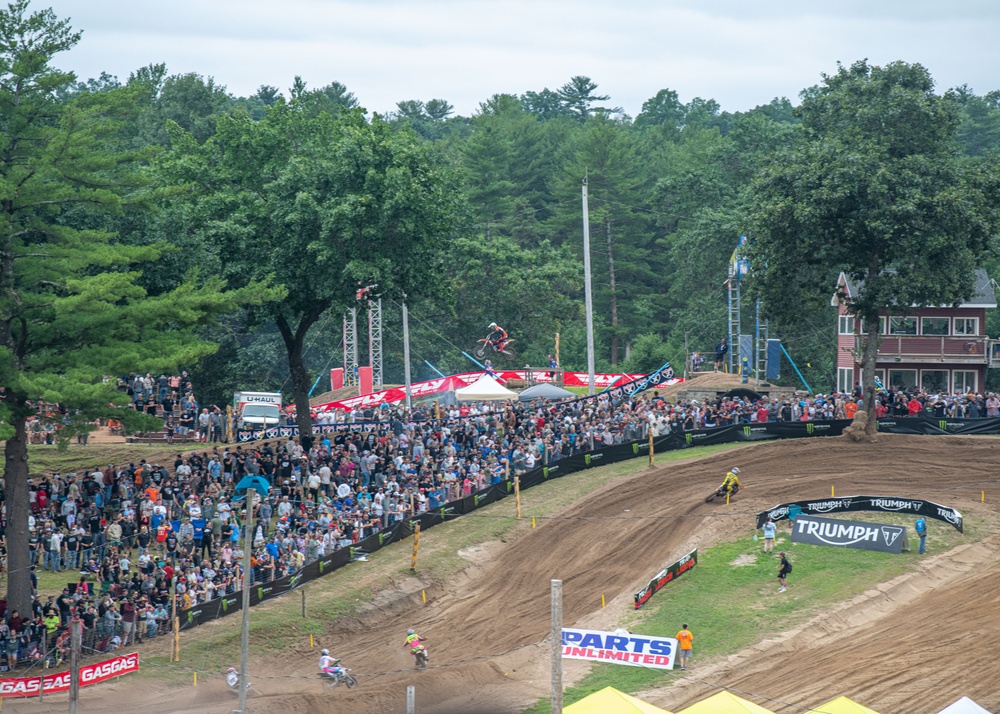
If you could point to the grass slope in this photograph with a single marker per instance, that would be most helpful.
(730, 599)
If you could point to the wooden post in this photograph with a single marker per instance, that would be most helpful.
(303, 602)
(416, 547)
(411, 699)
(41, 688)
(652, 460)
(517, 495)
(76, 644)
(556, 653)
(175, 650)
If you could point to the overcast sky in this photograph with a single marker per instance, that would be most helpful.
(740, 53)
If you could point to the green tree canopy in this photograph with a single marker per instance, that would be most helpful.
(71, 308)
(876, 189)
(324, 204)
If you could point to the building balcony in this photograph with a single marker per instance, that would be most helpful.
(917, 349)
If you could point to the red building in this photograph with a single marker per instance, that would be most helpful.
(940, 349)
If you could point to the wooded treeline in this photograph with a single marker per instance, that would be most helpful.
(667, 191)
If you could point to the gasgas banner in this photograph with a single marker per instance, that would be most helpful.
(619, 648)
(60, 682)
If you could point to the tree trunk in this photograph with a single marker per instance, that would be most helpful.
(868, 374)
(16, 481)
(614, 296)
(299, 375)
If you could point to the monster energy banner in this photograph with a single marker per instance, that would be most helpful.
(850, 504)
(262, 591)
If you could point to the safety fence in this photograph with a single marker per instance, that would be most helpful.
(735, 433)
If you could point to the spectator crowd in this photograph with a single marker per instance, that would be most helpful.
(137, 539)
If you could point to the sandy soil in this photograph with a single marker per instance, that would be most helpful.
(913, 645)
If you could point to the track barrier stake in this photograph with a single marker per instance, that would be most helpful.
(602, 600)
(727, 497)
(532, 521)
(832, 494)
(196, 679)
(423, 596)
(517, 495)
(312, 642)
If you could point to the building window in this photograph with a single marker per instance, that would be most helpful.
(845, 379)
(845, 324)
(902, 325)
(935, 326)
(902, 379)
(966, 326)
(934, 380)
(964, 381)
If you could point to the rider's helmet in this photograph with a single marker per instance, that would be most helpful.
(325, 652)
(411, 632)
(736, 470)
(493, 325)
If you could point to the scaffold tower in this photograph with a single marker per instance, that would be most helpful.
(351, 347)
(375, 341)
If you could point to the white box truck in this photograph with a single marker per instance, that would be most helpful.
(256, 410)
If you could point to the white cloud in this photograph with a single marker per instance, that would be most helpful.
(738, 53)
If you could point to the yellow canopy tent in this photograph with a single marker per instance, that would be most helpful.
(610, 701)
(725, 703)
(843, 705)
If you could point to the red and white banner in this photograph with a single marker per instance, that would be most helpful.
(60, 682)
(619, 647)
(457, 381)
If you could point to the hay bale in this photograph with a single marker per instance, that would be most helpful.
(514, 384)
(857, 430)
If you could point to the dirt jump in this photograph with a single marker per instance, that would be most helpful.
(913, 645)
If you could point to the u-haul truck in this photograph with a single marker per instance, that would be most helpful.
(256, 410)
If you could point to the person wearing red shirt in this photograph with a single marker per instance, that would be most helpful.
(762, 413)
(914, 407)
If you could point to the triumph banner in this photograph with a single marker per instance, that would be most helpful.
(848, 504)
(848, 534)
(619, 648)
(667, 575)
(60, 682)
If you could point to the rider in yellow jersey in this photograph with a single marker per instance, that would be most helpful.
(731, 484)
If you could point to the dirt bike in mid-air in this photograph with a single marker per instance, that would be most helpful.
(486, 347)
(720, 492)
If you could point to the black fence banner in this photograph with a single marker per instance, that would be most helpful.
(851, 504)
(667, 575)
(816, 530)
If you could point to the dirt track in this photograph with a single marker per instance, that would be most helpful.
(914, 645)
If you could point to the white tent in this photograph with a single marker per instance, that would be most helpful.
(485, 389)
(964, 706)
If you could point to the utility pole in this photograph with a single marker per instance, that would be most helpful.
(75, 645)
(588, 291)
(556, 635)
(406, 353)
(247, 573)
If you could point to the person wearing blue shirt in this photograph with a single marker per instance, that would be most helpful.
(921, 527)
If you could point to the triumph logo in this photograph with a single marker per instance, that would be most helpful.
(889, 504)
(890, 534)
(828, 506)
(950, 515)
(847, 534)
(778, 513)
